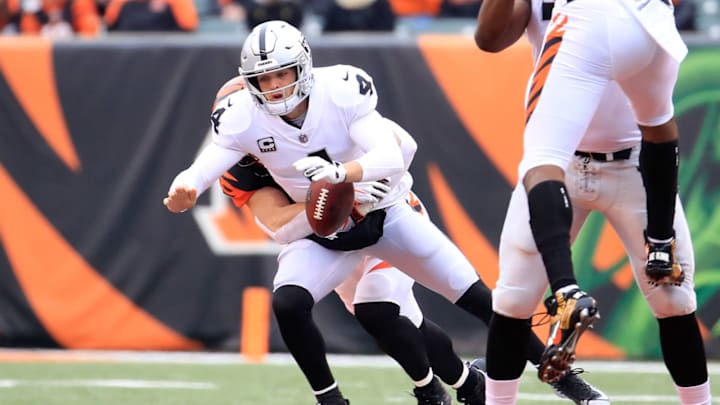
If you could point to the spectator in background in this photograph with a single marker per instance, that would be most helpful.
(52, 18)
(416, 15)
(685, 11)
(7, 13)
(260, 11)
(460, 8)
(416, 8)
(359, 15)
(233, 10)
(151, 15)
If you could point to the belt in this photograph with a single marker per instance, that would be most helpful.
(606, 157)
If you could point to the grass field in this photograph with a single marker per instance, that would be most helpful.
(107, 378)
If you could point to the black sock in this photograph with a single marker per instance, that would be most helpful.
(659, 169)
(535, 349)
(550, 221)
(478, 301)
(292, 306)
(396, 336)
(508, 339)
(444, 361)
(683, 350)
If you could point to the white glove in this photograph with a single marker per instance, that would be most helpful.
(371, 192)
(316, 168)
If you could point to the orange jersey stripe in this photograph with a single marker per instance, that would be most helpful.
(542, 68)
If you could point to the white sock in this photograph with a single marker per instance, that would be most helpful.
(653, 240)
(501, 392)
(328, 389)
(697, 395)
(567, 288)
(462, 378)
(425, 381)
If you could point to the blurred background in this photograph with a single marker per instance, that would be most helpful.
(102, 102)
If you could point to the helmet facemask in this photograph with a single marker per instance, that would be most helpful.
(270, 47)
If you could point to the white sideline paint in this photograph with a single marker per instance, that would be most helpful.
(336, 360)
(618, 399)
(111, 383)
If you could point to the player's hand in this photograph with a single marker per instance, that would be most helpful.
(180, 199)
(316, 168)
(371, 192)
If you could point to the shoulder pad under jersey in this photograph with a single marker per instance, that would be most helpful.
(232, 116)
(349, 87)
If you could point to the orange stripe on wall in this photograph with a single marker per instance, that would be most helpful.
(486, 91)
(77, 306)
(462, 229)
(27, 65)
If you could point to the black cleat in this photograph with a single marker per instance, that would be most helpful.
(432, 394)
(572, 313)
(574, 388)
(476, 396)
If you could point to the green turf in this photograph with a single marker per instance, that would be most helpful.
(67, 383)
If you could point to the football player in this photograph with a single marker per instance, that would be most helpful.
(602, 176)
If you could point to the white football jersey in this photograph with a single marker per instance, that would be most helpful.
(340, 95)
(613, 127)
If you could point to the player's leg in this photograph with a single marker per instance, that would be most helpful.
(385, 306)
(306, 273)
(673, 306)
(648, 78)
(570, 79)
(434, 261)
(515, 300)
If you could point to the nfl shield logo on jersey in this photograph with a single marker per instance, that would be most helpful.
(303, 138)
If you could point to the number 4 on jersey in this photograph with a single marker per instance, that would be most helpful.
(364, 83)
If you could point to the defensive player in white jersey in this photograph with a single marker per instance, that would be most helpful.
(602, 176)
(291, 115)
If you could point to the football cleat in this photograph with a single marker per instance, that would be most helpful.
(477, 395)
(432, 394)
(661, 267)
(572, 313)
(574, 388)
(334, 401)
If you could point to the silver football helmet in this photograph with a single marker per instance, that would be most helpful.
(272, 46)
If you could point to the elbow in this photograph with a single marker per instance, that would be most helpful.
(486, 43)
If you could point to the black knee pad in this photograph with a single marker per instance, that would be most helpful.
(291, 300)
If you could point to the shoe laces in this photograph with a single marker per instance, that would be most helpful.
(545, 318)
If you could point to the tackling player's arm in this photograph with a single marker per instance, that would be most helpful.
(500, 23)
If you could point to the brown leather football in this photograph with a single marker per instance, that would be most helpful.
(328, 206)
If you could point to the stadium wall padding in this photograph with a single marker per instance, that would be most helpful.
(92, 133)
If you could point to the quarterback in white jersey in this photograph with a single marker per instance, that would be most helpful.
(602, 176)
(308, 124)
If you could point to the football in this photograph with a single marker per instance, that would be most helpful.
(328, 205)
